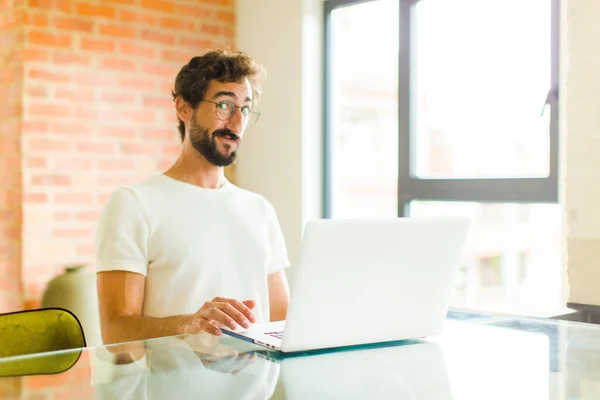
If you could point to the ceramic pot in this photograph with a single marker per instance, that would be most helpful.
(75, 290)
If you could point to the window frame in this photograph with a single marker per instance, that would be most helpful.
(410, 187)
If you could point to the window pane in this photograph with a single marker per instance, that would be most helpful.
(481, 74)
(512, 259)
(364, 109)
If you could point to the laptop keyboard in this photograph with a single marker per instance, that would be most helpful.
(278, 335)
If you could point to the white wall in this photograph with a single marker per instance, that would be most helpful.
(580, 121)
(281, 157)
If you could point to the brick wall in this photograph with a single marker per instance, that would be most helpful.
(96, 114)
(11, 81)
(580, 119)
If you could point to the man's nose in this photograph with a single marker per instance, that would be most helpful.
(236, 122)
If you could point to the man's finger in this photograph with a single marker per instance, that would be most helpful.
(210, 328)
(249, 303)
(243, 308)
(234, 313)
(220, 317)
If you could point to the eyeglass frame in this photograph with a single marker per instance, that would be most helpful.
(216, 103)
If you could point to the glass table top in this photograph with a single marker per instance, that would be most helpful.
(477, 356)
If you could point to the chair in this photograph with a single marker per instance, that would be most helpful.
(39, 331)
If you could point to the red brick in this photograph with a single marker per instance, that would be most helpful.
(118, 98)
(159, 5)
(70, 59)
(63, 5)
(74, 198)
(134, 49)
(193, 11)
(95, 80)
(171, 150)
(86, 113)
(139, 148)
(73, 24)
(195, 43)
(50, 179)
(164, 164)
(10, 285)
(70, 129)
(157, 101)
(88, 216)
(159, 133)
(95, 10)
(51, 5)
(116, 164)
(226, 16)
(121, 132)
(78, 95)
(141, 116)
(36, 198)
(121, 1)
(158, 37)
(181, 57)
(137, 83)
(217, 30)
(33, 55)
(48, 110)
(8, 145)
(36, 91)
(34, 126)
(49, 39)
(11, 19)
(96, 148)
(177, 24)
(166, 87)
(103, 198)
(10, 111)
(62, 216)
(48, 145)
(218, 2)
(97, 45)
(37, 162)
(49, 76)
(36, 19)
(161, 70)
(73, 164)
(86, 250)
(118, 64)
(72, 233)
(117, 30)
(134, 16)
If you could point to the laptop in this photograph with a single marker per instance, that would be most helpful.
(366, 281)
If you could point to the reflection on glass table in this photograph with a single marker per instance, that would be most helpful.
(476, 357)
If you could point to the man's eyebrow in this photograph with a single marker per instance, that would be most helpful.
(229, 94)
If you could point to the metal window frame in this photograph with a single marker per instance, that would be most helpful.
(496, 190)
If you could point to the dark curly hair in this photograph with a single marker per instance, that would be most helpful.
(221, 65)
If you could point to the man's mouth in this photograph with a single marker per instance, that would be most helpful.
(227, 135)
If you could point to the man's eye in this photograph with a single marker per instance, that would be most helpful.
(222, 106)
(245, 110)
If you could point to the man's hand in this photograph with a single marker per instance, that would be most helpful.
(222, 312)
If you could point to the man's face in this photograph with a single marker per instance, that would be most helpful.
(214, 136)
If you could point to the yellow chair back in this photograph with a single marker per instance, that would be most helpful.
(39, 331)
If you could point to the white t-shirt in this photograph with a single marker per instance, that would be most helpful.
(192, 244)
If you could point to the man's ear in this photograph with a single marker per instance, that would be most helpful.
(183, 109)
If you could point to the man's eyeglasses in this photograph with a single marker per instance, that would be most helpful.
(226, 109)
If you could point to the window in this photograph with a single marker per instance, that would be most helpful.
(449, 107)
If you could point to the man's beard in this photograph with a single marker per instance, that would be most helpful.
(206, 144)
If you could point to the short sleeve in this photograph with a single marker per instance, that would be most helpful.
(122, 235)
(279, 256)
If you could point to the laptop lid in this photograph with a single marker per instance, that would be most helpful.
(372, 280)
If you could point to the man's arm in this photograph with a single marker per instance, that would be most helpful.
(120, 300)
(279, 295)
